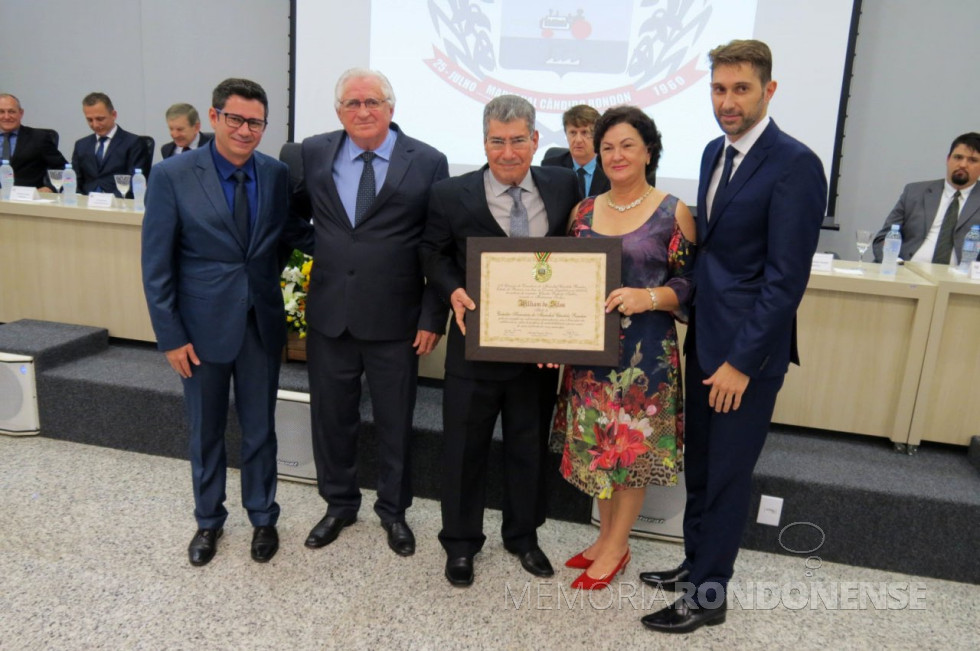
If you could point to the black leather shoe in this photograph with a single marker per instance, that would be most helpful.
(667, 579)
(400, 538)
(535, 562)
(265, 544)
(327, 530)
(683, 617)
(203, 546)
(459, 571)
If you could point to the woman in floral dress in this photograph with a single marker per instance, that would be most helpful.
(622, 427)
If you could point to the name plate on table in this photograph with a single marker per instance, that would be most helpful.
(100, 199)
(822, 262)
(975, 271)
(22, 193)
(542, 299)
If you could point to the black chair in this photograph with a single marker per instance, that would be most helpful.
(54, 135)
(147, 160)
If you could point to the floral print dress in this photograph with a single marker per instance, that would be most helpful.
(623, 427)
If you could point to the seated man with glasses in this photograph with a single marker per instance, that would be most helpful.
(369, 310)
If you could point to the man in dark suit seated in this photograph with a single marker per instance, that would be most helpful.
(31, 152)
(185, 129)
(369, 310)
(935, 216)
(506, 198)
(579, 123)
(110, 150)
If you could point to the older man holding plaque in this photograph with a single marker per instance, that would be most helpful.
(506, 198)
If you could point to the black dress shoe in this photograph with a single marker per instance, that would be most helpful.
(459, 571)
(400, 538)
(535, 562)
(667, 579)
(265, 544)
(203, 546)
(684, 617)
(327, 530)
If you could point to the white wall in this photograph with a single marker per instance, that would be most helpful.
(913, 89)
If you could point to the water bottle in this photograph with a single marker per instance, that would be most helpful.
(6, 179)
(69, 184)
(139, 190)
(970, 246)
(889, 257)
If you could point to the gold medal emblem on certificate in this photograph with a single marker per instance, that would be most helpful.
(542, 270)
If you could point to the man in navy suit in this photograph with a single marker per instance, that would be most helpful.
(185, 130)
(211, 277)
(31, 152)
(110, 150)
(369, 310)
(761, 200)
(506, 198)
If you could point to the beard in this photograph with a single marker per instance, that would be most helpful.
(959, 177)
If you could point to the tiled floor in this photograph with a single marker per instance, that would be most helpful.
(93, 556)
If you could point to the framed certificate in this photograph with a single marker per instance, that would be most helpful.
(542, 299)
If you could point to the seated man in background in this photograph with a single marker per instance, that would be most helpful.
(580, 157)
(185, 129)
(31, 152)
(110, 150)
(935, 216)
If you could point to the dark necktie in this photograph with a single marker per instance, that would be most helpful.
(581, 181)
(944, 245)
(241, 211)
(5, 155)
(365, 187)
(518, 214)
(100, 150)
(726, 171)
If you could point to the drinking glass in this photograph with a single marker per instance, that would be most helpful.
(122, 184)
(57, 180)
(863, 240)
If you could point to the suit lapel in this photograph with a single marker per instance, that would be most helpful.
(474, 200)
(338, 210)
(207, 175)
(551, 203)
(746, 169)
(708, 163)
(930, 205)
(971, 207)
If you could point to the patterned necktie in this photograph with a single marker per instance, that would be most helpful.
(100, 150)
(5, 155)
(518, 214)
(581, 181)
(944, 245)
(241, 211)
(365, 187)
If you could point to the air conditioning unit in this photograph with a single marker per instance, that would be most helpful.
(18, 396)
(662, 516)
(294, 460)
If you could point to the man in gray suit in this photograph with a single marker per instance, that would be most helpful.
(369, 310)
(935, 216)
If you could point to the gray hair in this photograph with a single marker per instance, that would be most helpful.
(358, 73)
(181, 110)
(507, 108)
(13, 97)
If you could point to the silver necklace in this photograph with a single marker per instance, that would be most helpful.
(631, 205)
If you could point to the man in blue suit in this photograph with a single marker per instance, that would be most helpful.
(761, 200)
(214, 218)
(110, 150)
(369, 310)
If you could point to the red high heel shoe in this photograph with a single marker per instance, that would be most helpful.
(586, 582)
(579, 561)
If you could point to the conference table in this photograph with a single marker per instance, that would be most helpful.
(881, 356)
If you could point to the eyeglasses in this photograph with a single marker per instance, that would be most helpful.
(498, 144)
(236, 121)
(370, 104)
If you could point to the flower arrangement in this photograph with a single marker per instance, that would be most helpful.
(295, 283)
